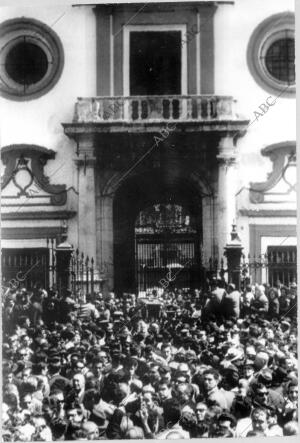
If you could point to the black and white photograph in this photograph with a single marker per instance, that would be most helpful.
(148, 219)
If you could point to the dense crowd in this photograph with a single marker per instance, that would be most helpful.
(182, 364)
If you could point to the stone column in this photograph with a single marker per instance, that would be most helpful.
(226, 206)
(87, 198)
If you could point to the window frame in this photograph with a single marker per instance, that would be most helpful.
(148, 28)
(264, 35)
(41, 35)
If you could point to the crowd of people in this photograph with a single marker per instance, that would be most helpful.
(183, 364)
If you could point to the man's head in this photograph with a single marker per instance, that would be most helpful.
(211, 379)
(78, 382)
(248, 369)
(58, 398)
(183, 393)
(226, 424)
(166, 351)
(9, 377)
(164, 390)
(183, 369)
(91, 430)
(134, 433)
(292, 391)
(25, 340)
(261, 360)
(148, 400)
(201, 410)
(102, 355)
(98, 367)
(122, 389)
(265, 377)
(130, 366)
(26, 401)
(269, 333)
(74, 414)
(26, 373)
(79, 367)
(259, 290)
(180, 379)
(154, 374)
(259, 419)
(54, 367)
(260, 394)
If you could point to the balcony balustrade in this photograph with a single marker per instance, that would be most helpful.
(147, 109)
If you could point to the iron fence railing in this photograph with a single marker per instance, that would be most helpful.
(51, 267)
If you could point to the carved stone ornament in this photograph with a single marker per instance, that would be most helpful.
(283, 157)
(24, 167)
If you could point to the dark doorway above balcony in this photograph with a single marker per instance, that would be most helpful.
(155, 63)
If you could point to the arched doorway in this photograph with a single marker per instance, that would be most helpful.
(157, 233)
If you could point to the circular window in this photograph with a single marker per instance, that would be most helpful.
(271, 54)
(280, 60)
(26, 63)
(31, 59)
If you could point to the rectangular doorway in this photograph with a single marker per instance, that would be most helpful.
(154, 61)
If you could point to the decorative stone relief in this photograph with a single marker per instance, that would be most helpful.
(24, 176)
(280, 185)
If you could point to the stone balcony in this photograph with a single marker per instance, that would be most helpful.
(95, 116)
(147, 109)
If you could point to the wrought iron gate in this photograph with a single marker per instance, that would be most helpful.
(166, 248)
(165, 261)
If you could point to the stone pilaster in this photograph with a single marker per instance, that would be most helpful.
(105, 233)
(226, 205)
(86, 200)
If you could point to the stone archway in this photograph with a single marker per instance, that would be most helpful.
(141, 191)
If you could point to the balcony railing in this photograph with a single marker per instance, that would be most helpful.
(145, 109)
